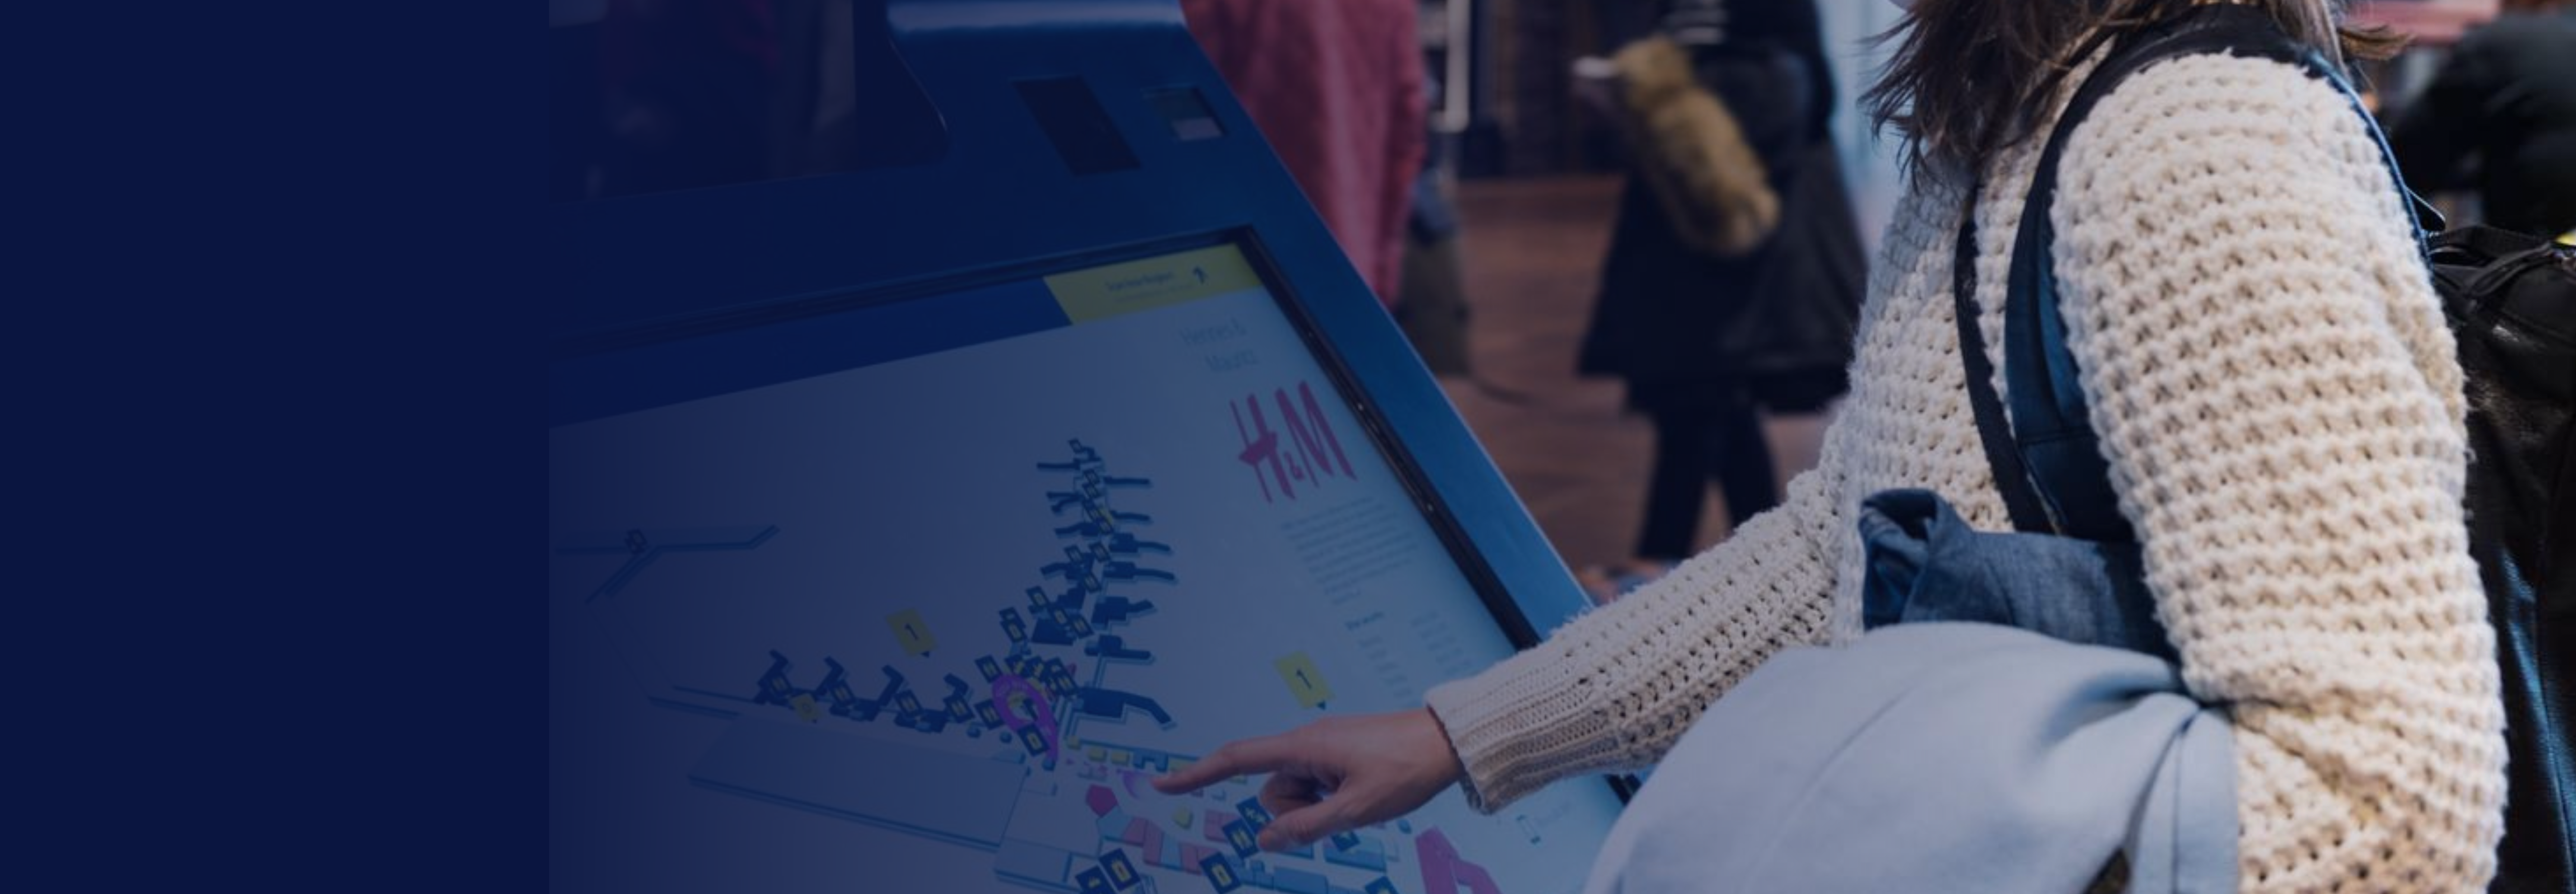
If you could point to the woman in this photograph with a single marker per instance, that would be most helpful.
(2275, 394)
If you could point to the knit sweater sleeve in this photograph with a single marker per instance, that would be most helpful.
(2282, 413)
(1613, 689)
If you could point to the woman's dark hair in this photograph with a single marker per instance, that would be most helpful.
(1970, 77)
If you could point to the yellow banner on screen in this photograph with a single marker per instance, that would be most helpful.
(1099, 293)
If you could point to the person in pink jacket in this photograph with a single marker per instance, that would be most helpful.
(1336, 88)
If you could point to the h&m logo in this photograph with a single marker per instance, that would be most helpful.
(1310, 454)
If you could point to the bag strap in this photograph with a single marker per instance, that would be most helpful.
(2003, 456)
(2053, 450)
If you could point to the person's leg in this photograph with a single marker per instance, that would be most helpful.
(1677, 487)
(1431, 306)
(1741, 459)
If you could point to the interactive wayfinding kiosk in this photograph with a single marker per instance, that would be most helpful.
(959, 418)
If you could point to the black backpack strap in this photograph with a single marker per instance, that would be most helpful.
(2051, 415)
(2021, 498)
(2051, 422)
(2047, 461)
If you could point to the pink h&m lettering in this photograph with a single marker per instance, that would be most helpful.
(1308, 455)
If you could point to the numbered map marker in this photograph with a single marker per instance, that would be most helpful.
(1304, 681)
(911, 632)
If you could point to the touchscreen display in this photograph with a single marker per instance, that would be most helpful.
(918, 596)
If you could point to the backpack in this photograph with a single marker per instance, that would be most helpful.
(2510, 300)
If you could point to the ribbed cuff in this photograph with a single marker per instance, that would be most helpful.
(1519, 726)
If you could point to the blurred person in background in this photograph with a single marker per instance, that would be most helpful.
(1709, 331)
(2499, 117)
(1336, 86)
(1431, 301)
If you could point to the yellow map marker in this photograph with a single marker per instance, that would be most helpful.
(1304, 680)
(910, 632)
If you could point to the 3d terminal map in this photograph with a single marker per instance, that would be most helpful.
(1061, 799)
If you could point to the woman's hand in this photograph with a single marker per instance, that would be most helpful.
(1334, 774)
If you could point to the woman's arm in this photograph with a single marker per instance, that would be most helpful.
(2282, 412)
(1611, 690)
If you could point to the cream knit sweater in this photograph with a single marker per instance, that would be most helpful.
(2278, 399)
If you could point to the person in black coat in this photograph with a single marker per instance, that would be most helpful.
(1705, 342)
(2500, 116)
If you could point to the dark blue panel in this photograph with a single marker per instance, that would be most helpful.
(706, 365)
(1081, 132)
